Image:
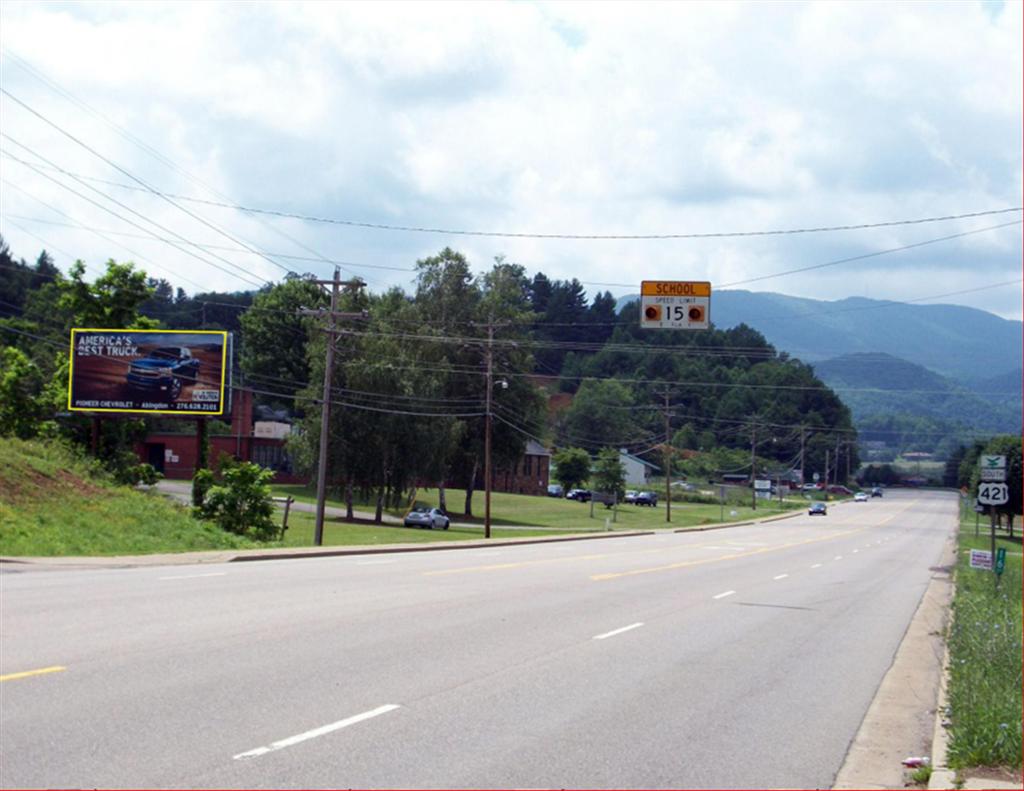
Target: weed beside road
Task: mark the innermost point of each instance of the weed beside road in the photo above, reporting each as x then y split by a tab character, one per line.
985	658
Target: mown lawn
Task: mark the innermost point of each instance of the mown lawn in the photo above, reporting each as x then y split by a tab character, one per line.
338	532
985	656
561	514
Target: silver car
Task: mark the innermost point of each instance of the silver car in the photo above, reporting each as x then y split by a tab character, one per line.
425	516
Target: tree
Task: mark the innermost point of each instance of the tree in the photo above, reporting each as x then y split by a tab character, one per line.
572	467
275	334
609	474
20	386
600	415
111	301
1010	447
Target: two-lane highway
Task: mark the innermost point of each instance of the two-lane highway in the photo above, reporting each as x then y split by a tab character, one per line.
743	657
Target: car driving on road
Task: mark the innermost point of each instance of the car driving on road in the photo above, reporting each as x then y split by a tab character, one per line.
817	509
425	516
860	497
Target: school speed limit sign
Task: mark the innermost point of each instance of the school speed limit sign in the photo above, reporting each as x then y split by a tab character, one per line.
993	493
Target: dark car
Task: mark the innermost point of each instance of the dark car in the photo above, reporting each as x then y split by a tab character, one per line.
164	372
583	495
555	490
817	508
876	491
646	498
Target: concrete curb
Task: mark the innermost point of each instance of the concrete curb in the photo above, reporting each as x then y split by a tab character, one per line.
397	548
942	775
293	553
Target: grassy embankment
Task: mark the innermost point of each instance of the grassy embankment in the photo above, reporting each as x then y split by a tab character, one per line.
560	514
55	503
985	656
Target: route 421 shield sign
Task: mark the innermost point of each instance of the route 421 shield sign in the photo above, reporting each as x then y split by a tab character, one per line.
993	493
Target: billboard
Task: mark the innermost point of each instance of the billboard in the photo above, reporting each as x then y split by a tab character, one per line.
178	372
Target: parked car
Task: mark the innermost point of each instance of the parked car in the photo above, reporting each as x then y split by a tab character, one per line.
860	497
582	495
164	372
685	486
876	491
646	498
555	490
810	487
838	489
817	508
630	496
425	516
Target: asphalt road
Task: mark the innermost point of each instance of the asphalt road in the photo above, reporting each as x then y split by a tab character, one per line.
736	658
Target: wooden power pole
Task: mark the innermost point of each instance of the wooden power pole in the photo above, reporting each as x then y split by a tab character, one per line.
325	408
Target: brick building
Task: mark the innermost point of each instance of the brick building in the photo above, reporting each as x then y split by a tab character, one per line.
175	453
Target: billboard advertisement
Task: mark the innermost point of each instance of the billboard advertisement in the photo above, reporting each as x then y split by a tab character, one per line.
179	372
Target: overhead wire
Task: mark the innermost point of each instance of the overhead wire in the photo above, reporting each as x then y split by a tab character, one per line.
54	86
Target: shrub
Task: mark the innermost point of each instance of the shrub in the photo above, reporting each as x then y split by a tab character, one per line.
242	503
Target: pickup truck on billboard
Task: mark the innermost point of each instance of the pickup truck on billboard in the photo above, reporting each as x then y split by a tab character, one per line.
161	371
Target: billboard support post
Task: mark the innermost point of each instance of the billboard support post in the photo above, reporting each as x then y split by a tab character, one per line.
96	435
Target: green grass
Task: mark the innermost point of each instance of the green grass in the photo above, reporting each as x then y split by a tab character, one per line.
560	514
54	503
985	657
338	532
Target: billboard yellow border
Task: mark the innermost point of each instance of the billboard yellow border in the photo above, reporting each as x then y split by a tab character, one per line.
223	372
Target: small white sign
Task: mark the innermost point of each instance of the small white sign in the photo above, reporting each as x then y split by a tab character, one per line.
981	559
993	493
762	485
992	462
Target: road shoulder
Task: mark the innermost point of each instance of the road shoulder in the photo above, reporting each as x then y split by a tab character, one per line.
901	719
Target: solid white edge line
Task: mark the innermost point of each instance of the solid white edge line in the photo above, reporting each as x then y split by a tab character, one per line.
618	631
780	577
195	576
321	731
816	566
723	595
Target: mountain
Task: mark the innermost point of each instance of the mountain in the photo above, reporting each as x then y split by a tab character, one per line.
963	343
881	384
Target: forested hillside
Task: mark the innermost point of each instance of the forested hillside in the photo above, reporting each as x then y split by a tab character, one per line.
410	378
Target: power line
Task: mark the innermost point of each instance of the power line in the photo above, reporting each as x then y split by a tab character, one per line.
136	179
571	236
116	202
49	82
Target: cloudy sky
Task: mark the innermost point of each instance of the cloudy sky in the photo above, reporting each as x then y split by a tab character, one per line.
528	122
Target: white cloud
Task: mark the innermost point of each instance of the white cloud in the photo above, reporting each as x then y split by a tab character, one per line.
547	118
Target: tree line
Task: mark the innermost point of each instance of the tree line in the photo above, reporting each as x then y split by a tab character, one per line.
409	387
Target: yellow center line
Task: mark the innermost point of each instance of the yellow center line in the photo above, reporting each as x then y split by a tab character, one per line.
686	563
499	566
27	673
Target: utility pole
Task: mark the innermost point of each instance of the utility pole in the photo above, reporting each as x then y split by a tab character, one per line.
801	455
753	465
487	429
668	462
325	408
826	473
837	459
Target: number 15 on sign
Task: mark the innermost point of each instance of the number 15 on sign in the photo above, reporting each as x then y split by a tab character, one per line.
993	493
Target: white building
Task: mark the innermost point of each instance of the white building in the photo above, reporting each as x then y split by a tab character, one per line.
638	471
